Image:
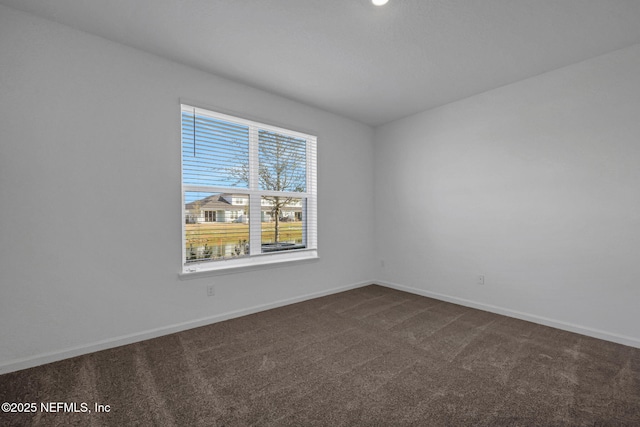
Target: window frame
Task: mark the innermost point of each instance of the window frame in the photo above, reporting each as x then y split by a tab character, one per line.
256	258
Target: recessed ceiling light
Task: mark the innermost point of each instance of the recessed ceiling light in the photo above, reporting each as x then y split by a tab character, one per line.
379	2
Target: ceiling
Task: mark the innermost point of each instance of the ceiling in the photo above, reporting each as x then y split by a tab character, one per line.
372	64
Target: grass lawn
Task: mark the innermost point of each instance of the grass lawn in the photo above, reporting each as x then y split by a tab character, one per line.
229	233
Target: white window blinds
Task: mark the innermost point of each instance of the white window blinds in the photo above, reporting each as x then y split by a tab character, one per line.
249	192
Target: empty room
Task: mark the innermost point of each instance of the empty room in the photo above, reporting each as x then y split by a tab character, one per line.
332	213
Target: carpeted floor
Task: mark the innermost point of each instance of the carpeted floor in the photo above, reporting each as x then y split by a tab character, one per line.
368	357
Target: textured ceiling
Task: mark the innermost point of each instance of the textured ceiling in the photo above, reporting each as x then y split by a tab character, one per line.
372	64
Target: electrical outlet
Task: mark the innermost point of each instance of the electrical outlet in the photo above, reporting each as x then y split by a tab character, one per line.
480	280
211	291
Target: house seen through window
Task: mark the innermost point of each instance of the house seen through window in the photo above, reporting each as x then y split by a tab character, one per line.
249	192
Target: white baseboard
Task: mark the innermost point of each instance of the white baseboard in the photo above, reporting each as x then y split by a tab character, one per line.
595	333
54	356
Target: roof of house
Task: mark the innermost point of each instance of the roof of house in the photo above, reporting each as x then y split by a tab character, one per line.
217	202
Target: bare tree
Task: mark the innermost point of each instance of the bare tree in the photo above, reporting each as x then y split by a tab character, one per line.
197	208
282	167
193	236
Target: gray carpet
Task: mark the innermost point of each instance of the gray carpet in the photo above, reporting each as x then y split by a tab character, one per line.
371	356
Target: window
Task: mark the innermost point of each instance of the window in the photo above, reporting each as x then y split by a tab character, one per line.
210	216
249	192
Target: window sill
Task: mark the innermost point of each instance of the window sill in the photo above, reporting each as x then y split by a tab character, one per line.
241	265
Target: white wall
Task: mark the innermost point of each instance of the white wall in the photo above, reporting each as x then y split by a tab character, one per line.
89	146
535	185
